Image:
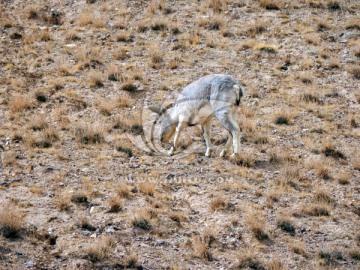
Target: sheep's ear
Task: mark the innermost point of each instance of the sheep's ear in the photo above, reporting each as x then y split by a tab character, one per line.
156	109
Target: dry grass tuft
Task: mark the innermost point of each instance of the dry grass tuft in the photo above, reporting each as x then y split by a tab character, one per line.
282	117
200	249
123	99
18	103
271	4
156	57
356	163
329	150
218	204
129	86
256	222
343	177
84	224
11	221
286	225
132	261
320	167
38	122
323	197
100	250
9	159
141	220
147	188
96	79
115	204
319	209
355	71
266	47
114	74
89	133
124	190
245	159
217	6
330	257
62	202
248	259
298	248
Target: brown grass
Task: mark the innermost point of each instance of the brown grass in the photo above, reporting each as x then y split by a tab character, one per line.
256	223
343	177
355	71
142	220
11	221
9	159
271	4
147	188
89	133
100	249
218	204
18	103
115	204
123	99
96	79
249	259
319	209
217	6
124	190
200	249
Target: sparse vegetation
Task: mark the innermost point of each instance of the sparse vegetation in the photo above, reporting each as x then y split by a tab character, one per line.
286	225
100	250
11	221
86	183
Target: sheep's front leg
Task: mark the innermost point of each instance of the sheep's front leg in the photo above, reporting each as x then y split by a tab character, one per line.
179	127
227	146
231	125
206	134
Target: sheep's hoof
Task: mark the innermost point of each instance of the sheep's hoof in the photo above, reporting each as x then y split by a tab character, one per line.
208	152
234	156
223	152
171	151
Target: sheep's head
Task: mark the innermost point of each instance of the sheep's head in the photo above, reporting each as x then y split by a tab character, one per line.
167	124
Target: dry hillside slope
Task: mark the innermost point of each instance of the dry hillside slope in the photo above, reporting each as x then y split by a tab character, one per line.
76	192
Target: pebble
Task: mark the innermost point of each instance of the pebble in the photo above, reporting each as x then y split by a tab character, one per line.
72	45
20	252
29	264
160	242
110	229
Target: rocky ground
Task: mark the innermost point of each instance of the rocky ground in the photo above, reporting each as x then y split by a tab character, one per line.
78	189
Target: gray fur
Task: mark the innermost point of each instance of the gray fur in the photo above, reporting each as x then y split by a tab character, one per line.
215	95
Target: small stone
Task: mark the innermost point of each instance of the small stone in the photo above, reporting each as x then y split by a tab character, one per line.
93	235
109	229
29	264
20	252
160	242
16	180
72	45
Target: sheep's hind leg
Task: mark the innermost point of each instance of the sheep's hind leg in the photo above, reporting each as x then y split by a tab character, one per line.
206	135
